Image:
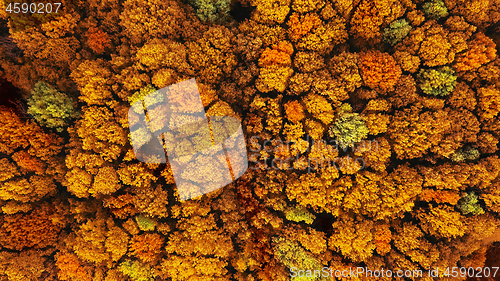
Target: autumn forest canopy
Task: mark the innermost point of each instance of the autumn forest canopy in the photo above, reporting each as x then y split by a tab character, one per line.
403	94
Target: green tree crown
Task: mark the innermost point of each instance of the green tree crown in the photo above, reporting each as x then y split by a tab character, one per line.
292	255
211	10
435	9
349	128
466	153
396	31
145	223
136	270
298	214
469	204
49	107
437	82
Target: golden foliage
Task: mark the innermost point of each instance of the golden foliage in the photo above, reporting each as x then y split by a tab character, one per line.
410	240
376	153
309	32
99	241
28	191
407	61
399	199
212	55
100	133
463	96
147	247
354	238
105	182
382	195
379	70
142	21
481	51
377	123
370	15
304	6
319	107
414	132
270	11
91	78
16	133
489	101
158	53
72	268
308	192
439	196
442	222
294	111
382	237
433	44
275	68
26	265
197	237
